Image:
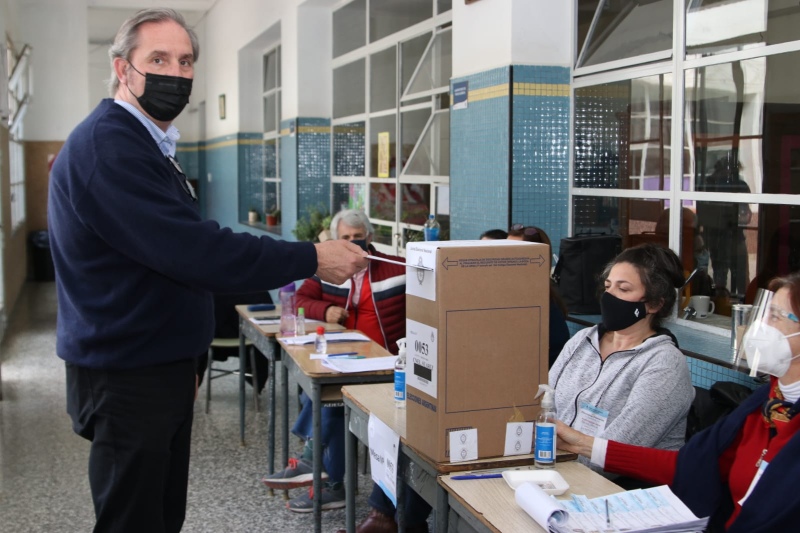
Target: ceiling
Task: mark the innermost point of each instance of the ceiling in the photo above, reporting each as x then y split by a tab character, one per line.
106	16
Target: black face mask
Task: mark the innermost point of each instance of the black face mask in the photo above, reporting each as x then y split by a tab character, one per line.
620	314
361	243
164	97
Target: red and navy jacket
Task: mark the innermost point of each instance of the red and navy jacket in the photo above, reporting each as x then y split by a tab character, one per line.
388	285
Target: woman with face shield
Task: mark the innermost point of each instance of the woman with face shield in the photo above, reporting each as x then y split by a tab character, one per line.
742	471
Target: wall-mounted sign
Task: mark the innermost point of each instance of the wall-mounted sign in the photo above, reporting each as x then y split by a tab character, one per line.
383	154
460	94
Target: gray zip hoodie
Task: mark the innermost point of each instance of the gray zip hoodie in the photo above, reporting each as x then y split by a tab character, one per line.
647	390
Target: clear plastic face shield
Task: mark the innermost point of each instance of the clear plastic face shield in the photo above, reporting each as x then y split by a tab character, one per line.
764	347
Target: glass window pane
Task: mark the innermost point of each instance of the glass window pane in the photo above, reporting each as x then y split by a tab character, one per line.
381	125
383	80
271	198
271	113
622	29
382	235
411	52
270	71
444	5
270	158
432	157
412	123
348	89
348	196
748	24
436	67
348	150
622	134
349	27
382	200
389	16
742	125
416	203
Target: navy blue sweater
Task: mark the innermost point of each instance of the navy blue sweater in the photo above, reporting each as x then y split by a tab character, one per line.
135	264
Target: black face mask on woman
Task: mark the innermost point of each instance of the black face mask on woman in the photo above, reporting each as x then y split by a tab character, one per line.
620	314
164	97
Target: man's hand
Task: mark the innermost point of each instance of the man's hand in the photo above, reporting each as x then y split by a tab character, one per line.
335	315
339	260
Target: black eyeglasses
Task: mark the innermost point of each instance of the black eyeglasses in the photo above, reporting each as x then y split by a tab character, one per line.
527	231
184	181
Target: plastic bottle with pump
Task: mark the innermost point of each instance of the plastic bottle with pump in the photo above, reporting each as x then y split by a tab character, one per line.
287	295
545	452
400	375
431	229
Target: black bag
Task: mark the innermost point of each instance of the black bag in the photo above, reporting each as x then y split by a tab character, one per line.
580	263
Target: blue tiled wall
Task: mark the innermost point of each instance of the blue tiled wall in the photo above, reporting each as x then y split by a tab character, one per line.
479	156
540	149
313	164
509	155
250	148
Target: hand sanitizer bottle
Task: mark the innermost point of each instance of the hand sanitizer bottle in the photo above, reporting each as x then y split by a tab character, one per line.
320	343
400	375
300	322
545	452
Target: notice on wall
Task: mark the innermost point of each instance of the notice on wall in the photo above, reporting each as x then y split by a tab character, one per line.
460	95
383	154
384	445
421	357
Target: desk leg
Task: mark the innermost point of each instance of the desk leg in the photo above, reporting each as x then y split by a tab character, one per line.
350	471
316	399
241	383
271	425
442	509
285	414
402	487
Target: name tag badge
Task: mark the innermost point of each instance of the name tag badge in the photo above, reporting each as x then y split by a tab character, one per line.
761	467
591	420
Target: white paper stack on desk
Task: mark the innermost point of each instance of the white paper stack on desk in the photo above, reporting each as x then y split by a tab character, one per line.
655	510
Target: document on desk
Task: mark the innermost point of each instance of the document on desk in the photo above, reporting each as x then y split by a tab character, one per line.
384	444
654	510
370	364
331	337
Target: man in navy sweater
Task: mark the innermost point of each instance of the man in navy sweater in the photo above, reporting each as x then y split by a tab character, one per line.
135	270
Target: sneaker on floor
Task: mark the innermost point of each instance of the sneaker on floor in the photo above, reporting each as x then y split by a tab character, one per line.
299	473
332	498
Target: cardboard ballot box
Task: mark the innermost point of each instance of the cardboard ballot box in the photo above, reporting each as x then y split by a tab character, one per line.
477	342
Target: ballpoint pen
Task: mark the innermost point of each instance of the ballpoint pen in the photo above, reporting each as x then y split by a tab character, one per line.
478	476
608	516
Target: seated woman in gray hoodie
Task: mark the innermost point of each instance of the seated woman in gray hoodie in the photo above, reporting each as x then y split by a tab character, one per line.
625	379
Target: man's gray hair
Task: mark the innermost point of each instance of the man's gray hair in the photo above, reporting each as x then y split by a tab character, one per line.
127	38
355	218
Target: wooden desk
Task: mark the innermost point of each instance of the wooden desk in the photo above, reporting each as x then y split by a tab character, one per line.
318	381
488	505
415	470
263	337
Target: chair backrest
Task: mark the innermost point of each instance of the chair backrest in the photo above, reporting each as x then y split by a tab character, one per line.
227	319
710	405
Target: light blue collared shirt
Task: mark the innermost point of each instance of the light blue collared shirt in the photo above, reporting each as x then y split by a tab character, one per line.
167	142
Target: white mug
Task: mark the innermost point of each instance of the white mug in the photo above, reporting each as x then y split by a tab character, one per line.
702	305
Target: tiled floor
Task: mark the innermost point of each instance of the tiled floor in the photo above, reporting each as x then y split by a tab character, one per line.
43	482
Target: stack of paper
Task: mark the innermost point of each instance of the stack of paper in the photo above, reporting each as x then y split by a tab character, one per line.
370	364
655	510
344	336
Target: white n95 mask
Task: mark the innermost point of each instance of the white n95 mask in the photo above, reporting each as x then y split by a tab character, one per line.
767	350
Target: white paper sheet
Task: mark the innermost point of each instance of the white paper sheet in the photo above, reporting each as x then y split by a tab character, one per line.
370	364
384	445
331	337
542	507
464	445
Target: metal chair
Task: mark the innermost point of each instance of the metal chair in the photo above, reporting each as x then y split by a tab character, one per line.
226	340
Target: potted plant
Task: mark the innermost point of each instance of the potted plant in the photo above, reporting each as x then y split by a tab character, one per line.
274	216
252	215
310	226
